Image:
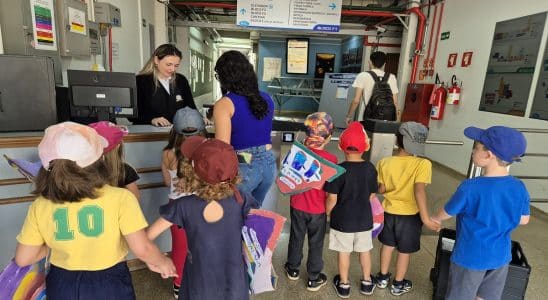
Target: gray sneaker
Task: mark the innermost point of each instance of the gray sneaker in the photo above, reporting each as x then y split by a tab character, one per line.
399	288
382	280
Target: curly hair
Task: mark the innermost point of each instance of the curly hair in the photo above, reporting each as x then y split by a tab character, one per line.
235	74
189	182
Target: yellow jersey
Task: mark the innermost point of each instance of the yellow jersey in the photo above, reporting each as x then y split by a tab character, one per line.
399	175
86	235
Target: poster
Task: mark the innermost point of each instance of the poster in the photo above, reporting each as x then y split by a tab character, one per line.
43	25
539	110
77	20
316	15
272	68
297	56
511	65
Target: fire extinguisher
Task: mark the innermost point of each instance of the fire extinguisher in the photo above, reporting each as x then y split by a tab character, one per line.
453	92
437	99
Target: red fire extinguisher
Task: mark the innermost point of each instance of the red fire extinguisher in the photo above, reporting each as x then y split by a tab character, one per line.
453	93
437	99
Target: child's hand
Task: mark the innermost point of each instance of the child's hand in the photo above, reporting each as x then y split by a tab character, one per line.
166	268
432	225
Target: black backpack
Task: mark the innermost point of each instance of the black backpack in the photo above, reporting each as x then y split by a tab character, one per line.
381	104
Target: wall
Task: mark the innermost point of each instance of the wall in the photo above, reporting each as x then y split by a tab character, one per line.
471	25
276	47
128	59
193	38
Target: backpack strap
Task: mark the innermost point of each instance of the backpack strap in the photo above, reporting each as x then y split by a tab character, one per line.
376	77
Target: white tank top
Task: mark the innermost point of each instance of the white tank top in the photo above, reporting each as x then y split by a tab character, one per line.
173	194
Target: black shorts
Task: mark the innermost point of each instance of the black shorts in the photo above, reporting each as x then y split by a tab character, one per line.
402	232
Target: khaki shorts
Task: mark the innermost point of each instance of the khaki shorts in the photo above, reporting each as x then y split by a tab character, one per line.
350	241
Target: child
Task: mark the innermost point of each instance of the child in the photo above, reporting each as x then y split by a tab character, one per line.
213	218
487	208
350	209
121	174
308	210
87	224
187	122
402	179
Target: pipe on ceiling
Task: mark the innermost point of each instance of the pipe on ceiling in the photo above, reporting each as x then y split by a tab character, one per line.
358	13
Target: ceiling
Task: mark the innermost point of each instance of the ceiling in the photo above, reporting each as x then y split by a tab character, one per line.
219	17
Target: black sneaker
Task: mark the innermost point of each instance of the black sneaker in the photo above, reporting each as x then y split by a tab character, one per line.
176	291
367	286
292	274
382	280
342	289
315	285
401	287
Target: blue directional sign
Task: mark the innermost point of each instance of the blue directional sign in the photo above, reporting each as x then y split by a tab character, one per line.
317	15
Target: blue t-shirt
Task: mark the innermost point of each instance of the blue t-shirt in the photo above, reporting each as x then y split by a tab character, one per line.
487	210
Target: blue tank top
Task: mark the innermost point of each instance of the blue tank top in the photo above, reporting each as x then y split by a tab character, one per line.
247	130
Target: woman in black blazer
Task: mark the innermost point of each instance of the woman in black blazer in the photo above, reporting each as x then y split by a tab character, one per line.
160	90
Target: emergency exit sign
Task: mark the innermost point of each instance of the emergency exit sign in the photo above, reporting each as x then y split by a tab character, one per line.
445	35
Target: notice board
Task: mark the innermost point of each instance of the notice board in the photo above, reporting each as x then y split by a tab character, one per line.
512	61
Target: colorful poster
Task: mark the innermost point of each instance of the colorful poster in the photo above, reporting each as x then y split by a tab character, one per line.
303	169
43	25
511	66
77	20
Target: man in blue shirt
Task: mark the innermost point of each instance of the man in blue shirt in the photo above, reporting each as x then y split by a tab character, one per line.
487	208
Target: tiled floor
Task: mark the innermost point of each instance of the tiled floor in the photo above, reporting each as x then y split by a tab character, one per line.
532	237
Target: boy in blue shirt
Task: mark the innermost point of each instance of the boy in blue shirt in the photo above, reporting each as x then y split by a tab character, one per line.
487	208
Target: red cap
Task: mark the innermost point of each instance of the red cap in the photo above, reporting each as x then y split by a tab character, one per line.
213	160
355	138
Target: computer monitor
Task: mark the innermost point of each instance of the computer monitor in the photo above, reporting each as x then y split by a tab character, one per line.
101	96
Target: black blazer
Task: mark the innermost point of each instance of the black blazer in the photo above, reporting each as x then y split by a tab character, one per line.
154	101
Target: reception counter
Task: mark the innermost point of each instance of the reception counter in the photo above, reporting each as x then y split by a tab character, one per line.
143	150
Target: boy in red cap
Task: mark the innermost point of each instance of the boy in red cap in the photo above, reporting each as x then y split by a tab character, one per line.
213	218
351	216
487	209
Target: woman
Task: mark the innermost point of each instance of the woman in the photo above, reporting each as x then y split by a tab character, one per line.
160	90
243	118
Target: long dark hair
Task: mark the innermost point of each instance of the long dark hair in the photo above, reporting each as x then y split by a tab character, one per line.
235	74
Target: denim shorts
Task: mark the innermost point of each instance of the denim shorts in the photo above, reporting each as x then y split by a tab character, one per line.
259	174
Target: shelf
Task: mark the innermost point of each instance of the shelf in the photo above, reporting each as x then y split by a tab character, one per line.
282	88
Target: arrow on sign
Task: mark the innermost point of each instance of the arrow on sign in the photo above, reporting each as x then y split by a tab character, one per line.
332	5
242	11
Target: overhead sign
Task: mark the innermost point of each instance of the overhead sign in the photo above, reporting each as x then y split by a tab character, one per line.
316	15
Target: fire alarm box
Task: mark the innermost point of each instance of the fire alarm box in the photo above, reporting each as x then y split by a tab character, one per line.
417	106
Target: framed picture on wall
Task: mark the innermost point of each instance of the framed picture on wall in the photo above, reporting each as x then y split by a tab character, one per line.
297	56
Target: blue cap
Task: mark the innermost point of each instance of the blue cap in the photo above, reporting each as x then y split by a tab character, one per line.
506	143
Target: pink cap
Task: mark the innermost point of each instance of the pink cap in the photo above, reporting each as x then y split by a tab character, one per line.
72	141
111	132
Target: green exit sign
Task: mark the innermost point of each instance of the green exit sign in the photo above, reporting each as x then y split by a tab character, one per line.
445	35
